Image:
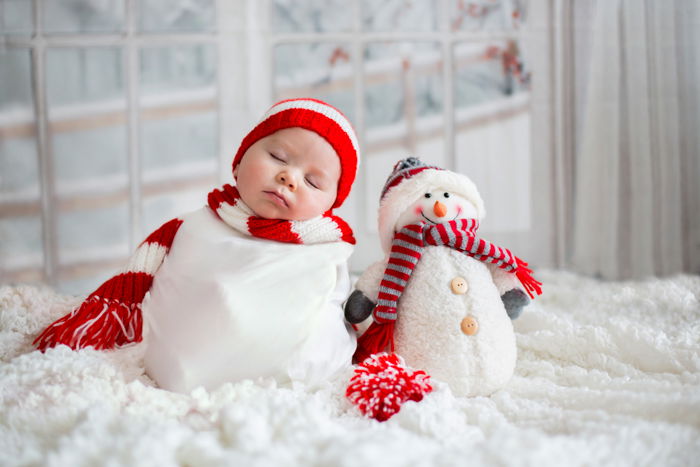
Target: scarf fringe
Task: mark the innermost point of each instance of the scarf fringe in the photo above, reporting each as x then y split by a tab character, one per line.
524	275
111	316
99	322
374	340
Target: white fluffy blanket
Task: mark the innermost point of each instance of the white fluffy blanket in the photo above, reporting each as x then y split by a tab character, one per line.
607	373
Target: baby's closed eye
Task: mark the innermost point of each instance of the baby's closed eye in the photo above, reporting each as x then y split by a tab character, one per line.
312	182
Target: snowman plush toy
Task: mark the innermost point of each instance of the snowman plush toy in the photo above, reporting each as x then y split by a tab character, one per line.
442	298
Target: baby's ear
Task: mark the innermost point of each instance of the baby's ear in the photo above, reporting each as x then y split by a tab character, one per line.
235	172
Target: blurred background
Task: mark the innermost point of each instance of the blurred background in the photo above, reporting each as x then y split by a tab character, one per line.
578	120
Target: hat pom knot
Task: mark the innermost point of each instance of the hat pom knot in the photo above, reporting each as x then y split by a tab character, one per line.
408	163
382	383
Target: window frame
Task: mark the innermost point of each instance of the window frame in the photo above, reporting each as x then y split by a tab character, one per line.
130	41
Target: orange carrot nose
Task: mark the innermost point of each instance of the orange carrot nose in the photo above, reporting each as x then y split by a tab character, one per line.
439	209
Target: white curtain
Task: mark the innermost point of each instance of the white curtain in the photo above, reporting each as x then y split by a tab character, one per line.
637	169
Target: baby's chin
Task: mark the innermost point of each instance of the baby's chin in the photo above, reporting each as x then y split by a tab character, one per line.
273	212
267	209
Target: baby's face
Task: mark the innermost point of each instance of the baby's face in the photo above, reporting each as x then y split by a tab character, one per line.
292	174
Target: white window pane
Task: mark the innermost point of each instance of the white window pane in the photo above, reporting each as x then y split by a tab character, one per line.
85	75
16	17
19	176
487	15
311	16
90	160
87	111
488	72
20	243
93	234
399	15
179	111
178	147
165	70
321	70
78	16
19	171
403	80
15	76
176	15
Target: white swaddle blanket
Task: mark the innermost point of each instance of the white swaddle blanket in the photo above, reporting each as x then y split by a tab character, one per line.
226	307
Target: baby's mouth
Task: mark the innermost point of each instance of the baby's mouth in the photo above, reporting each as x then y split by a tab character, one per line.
277	198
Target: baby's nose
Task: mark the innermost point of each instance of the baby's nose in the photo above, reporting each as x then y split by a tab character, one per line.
439	209
288	180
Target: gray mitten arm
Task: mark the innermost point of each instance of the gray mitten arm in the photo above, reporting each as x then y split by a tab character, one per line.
358	307
514	300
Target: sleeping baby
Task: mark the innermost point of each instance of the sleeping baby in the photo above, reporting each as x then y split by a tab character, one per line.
250	285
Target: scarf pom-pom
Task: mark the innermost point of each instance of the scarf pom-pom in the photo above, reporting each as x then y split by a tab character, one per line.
524	274
382	383
376	338
99	323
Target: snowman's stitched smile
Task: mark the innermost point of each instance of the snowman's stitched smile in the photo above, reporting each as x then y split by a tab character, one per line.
433	222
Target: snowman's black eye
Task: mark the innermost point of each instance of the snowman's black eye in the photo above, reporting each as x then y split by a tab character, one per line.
428	195
447	195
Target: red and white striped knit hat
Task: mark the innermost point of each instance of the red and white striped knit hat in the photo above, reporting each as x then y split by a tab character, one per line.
319	117
409	180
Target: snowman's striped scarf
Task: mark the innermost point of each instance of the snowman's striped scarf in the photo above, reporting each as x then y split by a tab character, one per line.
407	248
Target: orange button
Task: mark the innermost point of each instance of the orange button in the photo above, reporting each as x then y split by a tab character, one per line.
469	326
459	285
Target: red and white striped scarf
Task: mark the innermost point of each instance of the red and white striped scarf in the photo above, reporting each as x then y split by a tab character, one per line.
227	204
407	249
111	317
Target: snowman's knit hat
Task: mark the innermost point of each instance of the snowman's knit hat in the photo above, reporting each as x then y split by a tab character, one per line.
409	180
